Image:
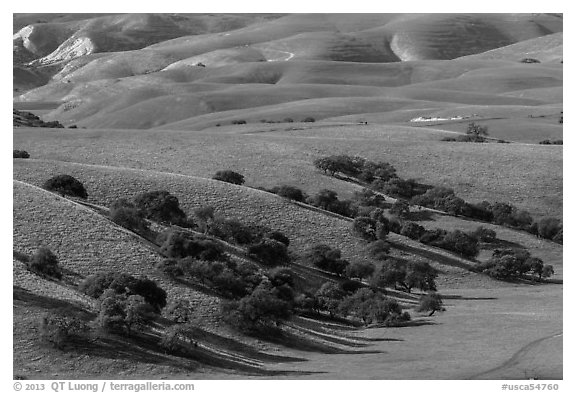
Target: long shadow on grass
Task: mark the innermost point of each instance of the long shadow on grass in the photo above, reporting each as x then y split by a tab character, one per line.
244	349
208	357
23	295
443	259
500	243
294	341
458	297
331	338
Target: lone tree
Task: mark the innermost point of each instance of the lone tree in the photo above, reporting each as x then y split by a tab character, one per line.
431	302
476	131
229	177
291	192
66	185
45	263
21	154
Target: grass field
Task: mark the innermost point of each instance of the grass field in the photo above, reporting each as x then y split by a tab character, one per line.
269	155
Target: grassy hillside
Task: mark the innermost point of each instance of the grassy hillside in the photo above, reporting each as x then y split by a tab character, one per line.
269	155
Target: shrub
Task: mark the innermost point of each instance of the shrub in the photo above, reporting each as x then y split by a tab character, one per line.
360	270
229	176
177	340
461	243
270	252
281	276
326	258
291	192
97	284
379	250
232	230
288	120
434	237
205	217
441	198
170	268
412	230
328	200
350	286
406	275
309	120
476	130
178	244
45	263
328	297
238	121
160	206
58	328
306	302
179	311
122	313
21	154
371	306
529	60
431	302
400	188
66	185
549	227
484	234
365	228
367	197
400	208
124	213
262	307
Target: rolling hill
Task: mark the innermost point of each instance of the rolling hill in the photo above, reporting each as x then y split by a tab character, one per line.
153	102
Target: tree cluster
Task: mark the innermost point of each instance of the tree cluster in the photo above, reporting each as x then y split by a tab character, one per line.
514	264
125	302
405	276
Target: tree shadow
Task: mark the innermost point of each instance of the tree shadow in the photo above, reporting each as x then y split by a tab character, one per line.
436	257
237	346
298	342
45	302
458	297
500	243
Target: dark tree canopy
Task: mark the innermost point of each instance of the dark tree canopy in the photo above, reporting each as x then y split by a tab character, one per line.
44	262
229	176
270	252
326	258
21	154
291	192
66	185
160	206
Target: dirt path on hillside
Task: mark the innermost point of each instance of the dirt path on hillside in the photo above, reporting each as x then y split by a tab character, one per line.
537	353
